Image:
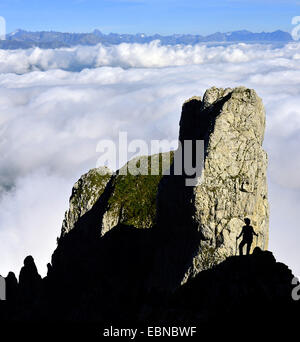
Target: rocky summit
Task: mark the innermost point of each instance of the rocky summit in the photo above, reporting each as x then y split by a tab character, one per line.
161	249
232	184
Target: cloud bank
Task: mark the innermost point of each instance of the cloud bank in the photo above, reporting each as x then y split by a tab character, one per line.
55	105
151	55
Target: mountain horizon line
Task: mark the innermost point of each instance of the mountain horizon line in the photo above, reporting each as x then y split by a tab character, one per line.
55	39
97	30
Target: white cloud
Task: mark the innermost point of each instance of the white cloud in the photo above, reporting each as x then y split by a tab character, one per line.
151	55
28	214
51	121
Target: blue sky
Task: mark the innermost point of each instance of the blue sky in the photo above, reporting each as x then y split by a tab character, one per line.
149	16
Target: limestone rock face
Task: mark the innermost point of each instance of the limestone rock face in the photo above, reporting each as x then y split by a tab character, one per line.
234	180
85	193
233	183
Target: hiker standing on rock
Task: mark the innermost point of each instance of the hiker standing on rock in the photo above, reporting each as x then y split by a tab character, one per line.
247	232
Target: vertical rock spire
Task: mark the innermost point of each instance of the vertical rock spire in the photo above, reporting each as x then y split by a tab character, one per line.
233	183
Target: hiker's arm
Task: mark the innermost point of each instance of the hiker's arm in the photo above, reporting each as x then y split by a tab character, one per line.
242	232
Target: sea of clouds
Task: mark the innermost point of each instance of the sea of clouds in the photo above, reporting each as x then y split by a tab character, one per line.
55	106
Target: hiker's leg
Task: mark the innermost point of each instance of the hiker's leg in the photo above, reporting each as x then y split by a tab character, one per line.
241	247
249	243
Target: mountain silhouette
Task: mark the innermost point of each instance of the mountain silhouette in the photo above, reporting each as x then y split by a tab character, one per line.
22	39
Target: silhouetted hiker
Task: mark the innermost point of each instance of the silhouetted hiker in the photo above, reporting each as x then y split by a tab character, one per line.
247	232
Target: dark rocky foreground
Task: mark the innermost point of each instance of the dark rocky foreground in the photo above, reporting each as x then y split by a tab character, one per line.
111	282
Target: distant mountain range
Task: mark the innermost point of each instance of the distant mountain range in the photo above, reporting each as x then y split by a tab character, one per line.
21	39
